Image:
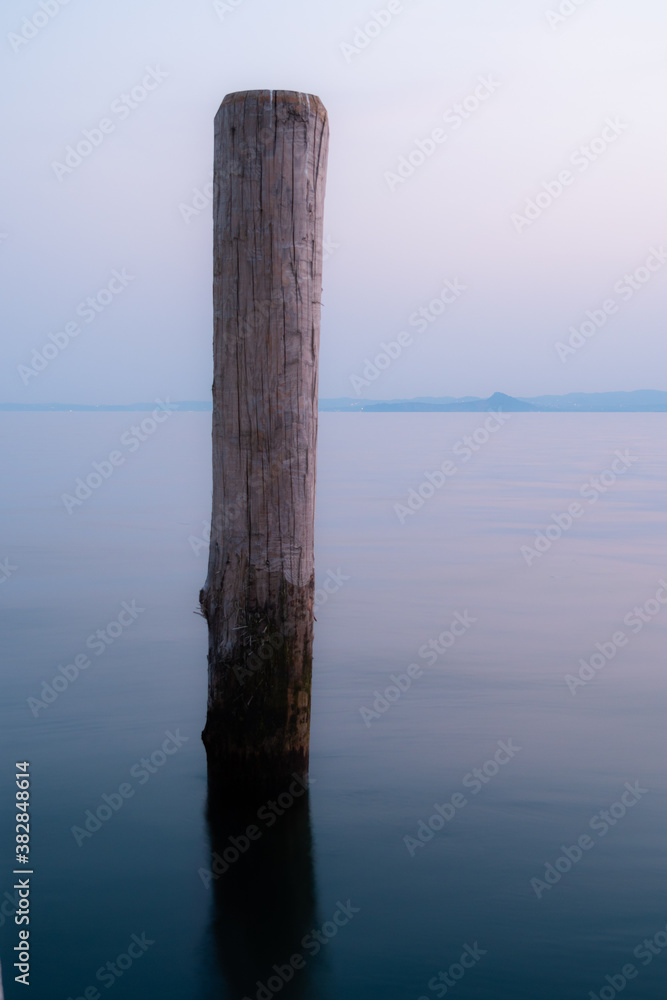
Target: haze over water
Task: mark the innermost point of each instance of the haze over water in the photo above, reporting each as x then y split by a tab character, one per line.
394	588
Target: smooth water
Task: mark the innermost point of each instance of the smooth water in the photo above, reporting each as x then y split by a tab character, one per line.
397	911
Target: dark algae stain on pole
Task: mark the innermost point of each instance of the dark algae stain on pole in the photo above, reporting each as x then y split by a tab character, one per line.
269	180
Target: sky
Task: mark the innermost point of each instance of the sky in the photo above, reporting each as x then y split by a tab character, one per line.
512	150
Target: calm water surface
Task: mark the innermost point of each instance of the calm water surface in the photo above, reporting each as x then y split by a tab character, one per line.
396	910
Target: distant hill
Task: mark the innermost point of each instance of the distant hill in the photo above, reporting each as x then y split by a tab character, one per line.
640	401
499	401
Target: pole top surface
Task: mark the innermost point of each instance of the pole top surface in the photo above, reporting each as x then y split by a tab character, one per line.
295	98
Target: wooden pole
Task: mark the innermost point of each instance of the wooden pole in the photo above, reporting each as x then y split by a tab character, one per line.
270	169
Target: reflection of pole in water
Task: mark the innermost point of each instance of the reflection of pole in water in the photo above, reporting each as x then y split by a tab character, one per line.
263	885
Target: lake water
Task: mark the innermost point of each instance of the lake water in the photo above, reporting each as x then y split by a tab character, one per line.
570	774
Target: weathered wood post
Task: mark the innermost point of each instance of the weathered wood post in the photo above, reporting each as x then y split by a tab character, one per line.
270	169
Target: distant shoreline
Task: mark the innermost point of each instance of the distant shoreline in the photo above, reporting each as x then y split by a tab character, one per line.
639	401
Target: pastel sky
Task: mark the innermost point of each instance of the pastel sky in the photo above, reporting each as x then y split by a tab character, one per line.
531	88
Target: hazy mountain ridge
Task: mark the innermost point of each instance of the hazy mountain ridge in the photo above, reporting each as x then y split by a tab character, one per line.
637	401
